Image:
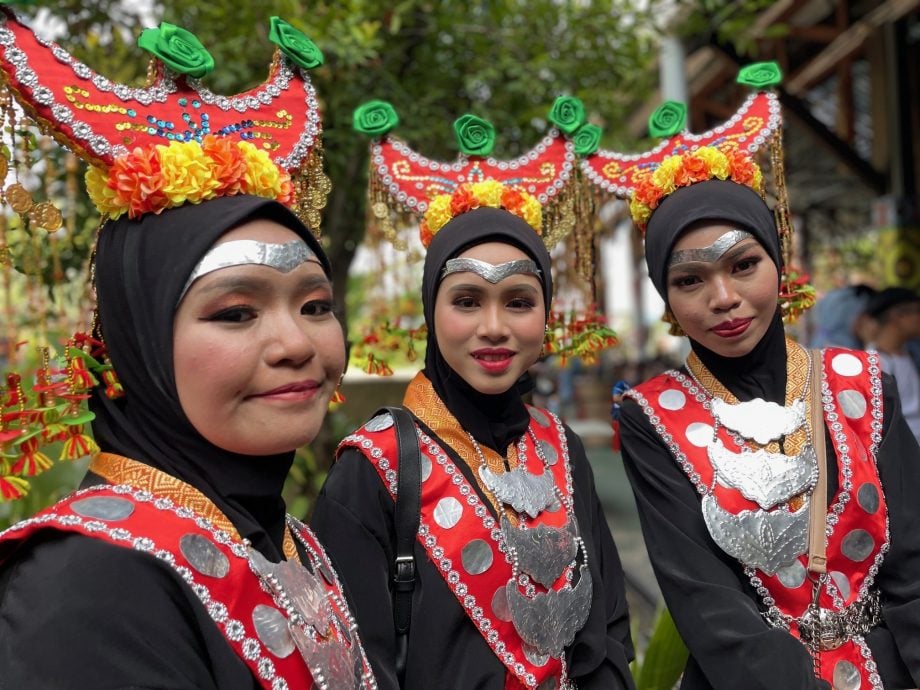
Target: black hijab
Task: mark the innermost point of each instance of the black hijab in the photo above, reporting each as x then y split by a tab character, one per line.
761	373
494	420
141	268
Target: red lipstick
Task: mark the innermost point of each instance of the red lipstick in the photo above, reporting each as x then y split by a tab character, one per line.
495	360
733	328
292	392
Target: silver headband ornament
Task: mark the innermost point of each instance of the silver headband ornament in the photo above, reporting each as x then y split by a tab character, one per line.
282	257
713	252
493	273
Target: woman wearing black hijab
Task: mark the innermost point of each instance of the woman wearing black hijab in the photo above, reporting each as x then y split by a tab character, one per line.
724	457
502	483
175	565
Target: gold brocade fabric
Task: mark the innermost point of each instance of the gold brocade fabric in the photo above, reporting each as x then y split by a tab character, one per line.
117	469
425	404
798	365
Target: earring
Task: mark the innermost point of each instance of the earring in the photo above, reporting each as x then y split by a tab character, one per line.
673	327
337	396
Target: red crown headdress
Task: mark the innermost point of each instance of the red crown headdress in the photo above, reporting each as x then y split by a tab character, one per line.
543	186
153	147
724	152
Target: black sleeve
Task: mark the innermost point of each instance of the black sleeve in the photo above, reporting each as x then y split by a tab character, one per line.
704	588
353	517
898	460
76	612
600	655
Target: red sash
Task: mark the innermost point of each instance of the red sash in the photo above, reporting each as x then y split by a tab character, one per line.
156	526
852	398
454	522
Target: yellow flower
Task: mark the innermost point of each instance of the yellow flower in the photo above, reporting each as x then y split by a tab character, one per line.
533	213
489	192
187	173
716	160
757	183
663	177
262	177
639	211
103	197
438	212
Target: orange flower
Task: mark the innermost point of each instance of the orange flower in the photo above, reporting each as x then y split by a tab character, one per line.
137	180
512	200
425	235
463	200
229	165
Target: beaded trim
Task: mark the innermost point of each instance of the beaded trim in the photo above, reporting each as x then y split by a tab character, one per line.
420	203
756	143
100	146
471	605
234	630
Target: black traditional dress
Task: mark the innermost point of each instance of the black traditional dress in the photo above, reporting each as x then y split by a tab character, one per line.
723	607
461	635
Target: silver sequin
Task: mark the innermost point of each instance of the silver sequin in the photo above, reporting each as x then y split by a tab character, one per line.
842	583
846	676
500	604
853	403
272	628
539	416
793	575
108	508
476	557
534	656
380	422
857	545
867	497
426	467
204	556
448	512
548	451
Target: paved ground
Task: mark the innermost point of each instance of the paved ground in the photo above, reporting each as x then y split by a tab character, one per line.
620	507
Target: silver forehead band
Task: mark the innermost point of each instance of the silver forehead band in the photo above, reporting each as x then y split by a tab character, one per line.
713	252
494	273
282	257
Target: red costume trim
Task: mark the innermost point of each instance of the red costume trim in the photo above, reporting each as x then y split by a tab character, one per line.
851	393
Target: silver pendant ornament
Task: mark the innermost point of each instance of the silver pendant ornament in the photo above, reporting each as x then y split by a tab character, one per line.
763	477
542	552
758	538
522	490
548	621
759	420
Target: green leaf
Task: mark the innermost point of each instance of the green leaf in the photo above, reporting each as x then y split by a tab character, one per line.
665	656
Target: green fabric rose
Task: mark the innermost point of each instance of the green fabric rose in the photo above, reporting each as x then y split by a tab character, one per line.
475	136
760	75
295	44
587	139
568	114
374	118
178	49
668	119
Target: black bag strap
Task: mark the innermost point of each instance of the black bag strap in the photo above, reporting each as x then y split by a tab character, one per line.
408	506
